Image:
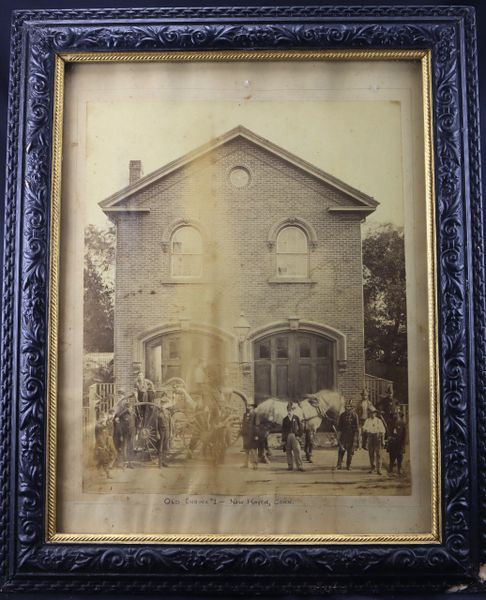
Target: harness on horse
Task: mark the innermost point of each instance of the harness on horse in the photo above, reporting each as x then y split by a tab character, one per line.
315	404
323	415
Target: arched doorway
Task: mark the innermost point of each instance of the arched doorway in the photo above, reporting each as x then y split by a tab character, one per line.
181	353
290	364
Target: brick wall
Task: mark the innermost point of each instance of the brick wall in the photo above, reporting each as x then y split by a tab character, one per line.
238	263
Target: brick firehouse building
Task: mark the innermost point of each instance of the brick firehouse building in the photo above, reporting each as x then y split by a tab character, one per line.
243	258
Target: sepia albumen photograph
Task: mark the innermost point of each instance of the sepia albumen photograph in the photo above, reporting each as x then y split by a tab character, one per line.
246	246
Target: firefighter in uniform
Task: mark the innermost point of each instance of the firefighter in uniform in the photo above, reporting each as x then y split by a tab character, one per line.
163	426
347	428
291	433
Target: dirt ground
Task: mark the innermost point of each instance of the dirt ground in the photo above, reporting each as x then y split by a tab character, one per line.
196	476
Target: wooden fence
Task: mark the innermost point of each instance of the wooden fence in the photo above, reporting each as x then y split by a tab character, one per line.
101	398
377	387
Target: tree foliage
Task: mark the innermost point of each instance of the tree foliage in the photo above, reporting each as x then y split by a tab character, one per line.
101	373
99	289
384	295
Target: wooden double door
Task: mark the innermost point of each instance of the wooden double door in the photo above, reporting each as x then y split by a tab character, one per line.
291	364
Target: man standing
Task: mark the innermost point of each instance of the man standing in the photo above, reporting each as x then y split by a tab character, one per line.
124	428
387	407
347	429
291	432
163	426
140	387
309	441
201	424
249	433
396	442
363	413
199	377
105	450
375	434
263	449
150	390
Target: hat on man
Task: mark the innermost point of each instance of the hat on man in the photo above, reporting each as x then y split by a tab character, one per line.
372	410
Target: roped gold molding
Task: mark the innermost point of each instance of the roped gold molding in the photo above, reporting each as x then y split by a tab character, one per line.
432	537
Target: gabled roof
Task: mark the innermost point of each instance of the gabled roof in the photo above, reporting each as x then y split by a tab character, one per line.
363	202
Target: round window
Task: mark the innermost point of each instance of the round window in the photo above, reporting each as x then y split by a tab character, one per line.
239	177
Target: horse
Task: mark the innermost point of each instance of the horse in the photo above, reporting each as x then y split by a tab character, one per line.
324	404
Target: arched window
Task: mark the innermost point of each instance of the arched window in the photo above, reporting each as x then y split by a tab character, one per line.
292	253
186	252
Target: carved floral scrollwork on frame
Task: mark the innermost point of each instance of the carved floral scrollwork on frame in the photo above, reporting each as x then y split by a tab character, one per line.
216	568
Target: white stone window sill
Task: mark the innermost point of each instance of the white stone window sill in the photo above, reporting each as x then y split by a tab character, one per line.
300	280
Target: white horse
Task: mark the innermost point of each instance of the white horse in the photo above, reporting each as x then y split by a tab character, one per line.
325	404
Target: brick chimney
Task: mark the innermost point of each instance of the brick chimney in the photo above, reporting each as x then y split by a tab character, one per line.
134	171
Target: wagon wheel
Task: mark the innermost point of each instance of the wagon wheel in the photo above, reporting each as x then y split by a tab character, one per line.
237	402
146	442
200	430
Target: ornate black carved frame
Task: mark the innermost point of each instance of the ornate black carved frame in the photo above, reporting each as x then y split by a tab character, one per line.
27	563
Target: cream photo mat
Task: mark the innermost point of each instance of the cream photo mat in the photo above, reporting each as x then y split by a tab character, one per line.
372	114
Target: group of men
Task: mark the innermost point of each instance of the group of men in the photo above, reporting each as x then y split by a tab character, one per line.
370	431
373	433
255	439
115	431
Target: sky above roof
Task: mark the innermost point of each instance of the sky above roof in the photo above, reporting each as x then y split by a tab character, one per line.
342	145
255	141
359	123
